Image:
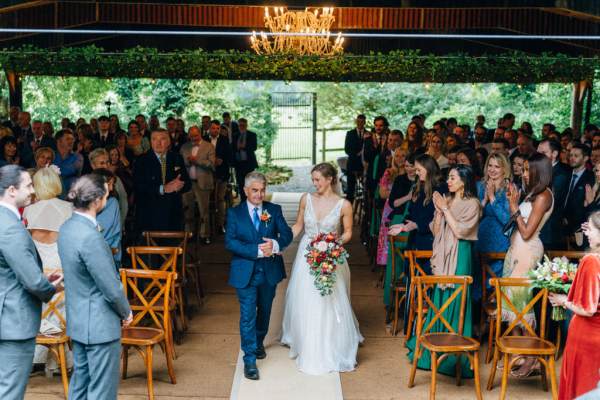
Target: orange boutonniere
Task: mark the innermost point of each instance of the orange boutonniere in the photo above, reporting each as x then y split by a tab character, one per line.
265	217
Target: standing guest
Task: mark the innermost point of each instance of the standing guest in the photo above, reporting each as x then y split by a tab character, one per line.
592	193
64	123
595	157
39	139
104	137
373	145
581	359
160	178
115	125
353	147
574	212
500	146
124	181
482	155
125	153
232	126
48	129
452	140
385	186
110	219
69	163
468	156
518	162
9	154
177	137
100	159
525	145
491	191
551	235
414	138
205	126
222	161
421	206
137	141
452	154
245	145
546	129
142	126
511	137
94	125
436	150
43	158
153	123
526	248
44	219
92	283
199	158
13	118
454	229
86	143
23	286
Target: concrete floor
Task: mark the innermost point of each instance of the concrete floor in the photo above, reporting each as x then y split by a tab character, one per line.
207	357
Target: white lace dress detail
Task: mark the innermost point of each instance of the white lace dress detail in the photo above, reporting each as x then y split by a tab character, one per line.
321	331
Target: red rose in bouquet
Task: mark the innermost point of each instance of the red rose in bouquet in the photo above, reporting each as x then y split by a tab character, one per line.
324	253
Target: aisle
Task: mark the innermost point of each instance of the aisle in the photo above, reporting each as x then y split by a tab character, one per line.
279	378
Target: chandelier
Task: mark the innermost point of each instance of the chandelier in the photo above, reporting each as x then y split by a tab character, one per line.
283	24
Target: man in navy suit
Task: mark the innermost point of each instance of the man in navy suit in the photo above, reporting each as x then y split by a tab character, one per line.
256	234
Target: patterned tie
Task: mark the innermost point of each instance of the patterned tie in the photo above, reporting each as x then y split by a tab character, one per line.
163	168
256	219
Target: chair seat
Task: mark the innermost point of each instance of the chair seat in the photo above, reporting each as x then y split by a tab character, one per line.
445	342
525	345
141	336
56	338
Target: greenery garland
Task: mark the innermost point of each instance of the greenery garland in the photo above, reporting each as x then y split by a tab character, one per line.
395	66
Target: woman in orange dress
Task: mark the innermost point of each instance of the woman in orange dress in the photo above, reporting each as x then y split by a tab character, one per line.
580	371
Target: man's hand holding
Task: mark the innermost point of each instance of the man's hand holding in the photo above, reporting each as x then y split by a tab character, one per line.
128	321
266	247
175	185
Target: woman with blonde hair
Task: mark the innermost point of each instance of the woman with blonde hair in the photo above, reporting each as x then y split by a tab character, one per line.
43	219
43	157
436	147
491	190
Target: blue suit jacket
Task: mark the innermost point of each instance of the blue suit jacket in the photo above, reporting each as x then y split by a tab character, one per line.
23	285
96	303
242	239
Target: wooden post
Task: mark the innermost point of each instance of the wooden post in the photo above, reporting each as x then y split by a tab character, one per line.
579	93
15	89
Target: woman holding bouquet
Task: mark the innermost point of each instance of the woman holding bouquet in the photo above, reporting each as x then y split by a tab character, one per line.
526	248
581	358
454	229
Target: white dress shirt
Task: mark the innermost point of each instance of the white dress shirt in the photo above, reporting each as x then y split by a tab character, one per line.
87	216
251	208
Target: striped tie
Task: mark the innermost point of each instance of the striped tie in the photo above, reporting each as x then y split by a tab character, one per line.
163	168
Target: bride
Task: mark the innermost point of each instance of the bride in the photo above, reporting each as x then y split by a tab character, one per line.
321	331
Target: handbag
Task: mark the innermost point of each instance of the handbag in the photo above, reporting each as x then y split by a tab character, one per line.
511	225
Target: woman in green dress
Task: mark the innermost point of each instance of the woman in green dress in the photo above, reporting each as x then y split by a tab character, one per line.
454	227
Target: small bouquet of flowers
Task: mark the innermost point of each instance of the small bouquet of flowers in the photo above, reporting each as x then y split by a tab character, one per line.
324	253
557	276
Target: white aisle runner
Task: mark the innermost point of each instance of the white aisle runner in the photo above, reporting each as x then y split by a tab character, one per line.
279	378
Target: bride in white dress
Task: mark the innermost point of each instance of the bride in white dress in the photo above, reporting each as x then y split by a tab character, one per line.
321	331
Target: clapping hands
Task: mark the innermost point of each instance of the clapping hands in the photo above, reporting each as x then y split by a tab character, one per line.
175	185
513	195
440	201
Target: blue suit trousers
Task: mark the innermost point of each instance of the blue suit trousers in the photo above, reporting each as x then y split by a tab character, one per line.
255	300
16	359
95	371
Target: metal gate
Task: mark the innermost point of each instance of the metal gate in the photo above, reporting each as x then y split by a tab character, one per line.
295	116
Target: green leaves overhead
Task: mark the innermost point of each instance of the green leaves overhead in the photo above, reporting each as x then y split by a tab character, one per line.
396	66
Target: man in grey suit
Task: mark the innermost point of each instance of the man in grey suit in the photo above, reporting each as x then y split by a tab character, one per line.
23	285
95	301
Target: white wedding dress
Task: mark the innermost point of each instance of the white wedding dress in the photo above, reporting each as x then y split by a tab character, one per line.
321	331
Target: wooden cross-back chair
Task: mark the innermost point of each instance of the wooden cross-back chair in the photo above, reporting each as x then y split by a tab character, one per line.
447	343
397	286
189	274
488	301
153	307
56	343
168	255
574	257
415	270
519	347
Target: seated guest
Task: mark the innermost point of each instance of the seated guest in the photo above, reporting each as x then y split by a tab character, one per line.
160	178
9	154
44	219
491	191
454	229
125	154
436	150
581	359
109	219
23	286
69	163
92	284
574	212
43	158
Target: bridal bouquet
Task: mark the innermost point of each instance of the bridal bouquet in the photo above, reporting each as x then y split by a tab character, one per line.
324	253
557	276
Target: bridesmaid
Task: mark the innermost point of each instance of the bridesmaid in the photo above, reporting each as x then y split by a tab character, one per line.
455	228
581	358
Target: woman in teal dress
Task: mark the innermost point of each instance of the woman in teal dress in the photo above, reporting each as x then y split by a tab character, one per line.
454	228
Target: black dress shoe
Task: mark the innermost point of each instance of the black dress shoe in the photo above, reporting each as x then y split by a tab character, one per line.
206	241
261	354
251	372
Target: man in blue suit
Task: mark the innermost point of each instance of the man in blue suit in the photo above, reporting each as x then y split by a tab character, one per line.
23	285
95	301
256	234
